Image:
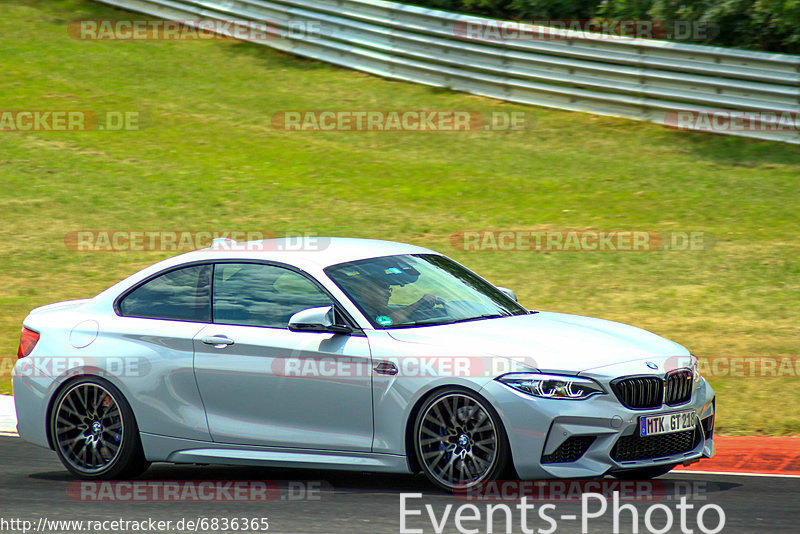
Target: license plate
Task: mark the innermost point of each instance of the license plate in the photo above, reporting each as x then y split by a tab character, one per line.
651	425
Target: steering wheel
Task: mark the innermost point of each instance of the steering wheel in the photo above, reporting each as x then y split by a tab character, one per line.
437	310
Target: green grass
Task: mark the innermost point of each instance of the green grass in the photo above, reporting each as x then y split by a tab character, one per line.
210	160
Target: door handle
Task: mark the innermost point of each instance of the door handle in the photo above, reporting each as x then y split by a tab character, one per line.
386	368
219	342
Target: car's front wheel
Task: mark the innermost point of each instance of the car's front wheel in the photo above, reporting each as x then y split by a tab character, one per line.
459	440
94	431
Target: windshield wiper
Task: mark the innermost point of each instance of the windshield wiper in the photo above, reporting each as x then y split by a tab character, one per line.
464	320
418	323
482	316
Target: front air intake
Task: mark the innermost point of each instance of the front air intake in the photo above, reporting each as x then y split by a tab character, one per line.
635	447
570	451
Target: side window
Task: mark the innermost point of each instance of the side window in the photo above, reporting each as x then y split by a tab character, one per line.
262	295
181	295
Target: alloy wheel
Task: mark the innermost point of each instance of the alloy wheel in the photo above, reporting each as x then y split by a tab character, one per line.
89	427
458	441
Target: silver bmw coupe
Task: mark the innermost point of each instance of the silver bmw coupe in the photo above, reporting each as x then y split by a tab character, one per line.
335	353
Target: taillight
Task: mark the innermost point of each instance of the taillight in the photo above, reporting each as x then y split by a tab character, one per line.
27	340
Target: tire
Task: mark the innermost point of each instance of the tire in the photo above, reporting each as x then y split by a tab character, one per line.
459	440
643	473
94	431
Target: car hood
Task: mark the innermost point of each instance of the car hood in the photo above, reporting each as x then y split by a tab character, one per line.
549	342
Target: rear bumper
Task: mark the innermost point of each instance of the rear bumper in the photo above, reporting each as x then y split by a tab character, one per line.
537	427
31	396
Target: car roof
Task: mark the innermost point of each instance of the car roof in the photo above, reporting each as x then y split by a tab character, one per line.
321	251
307	253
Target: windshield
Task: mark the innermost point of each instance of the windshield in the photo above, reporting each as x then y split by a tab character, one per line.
419	289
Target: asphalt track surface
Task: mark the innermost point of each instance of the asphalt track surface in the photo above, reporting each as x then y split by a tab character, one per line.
34	485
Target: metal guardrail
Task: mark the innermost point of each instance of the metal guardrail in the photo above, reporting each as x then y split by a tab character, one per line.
663	82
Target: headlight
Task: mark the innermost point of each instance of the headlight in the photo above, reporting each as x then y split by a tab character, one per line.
552	386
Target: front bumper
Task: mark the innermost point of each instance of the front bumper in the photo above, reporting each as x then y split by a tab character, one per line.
537	427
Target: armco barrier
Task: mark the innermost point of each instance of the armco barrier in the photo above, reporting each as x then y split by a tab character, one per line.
746	93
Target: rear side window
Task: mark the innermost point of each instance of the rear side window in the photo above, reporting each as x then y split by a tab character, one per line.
180	295
254	294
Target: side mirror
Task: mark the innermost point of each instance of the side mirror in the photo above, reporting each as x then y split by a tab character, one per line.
317	320
507	292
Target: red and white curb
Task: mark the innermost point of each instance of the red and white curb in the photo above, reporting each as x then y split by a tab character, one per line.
8	416
752	456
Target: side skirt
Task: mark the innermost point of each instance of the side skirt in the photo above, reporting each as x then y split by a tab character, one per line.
176	450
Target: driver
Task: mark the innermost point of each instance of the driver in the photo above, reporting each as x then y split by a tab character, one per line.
373	294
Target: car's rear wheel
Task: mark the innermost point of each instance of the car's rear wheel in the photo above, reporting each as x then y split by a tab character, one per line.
94	431
459	440
643	473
